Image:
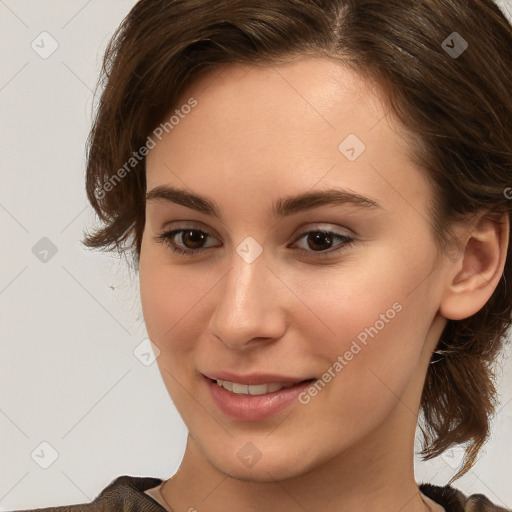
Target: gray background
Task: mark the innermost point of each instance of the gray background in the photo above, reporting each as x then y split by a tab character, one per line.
71	373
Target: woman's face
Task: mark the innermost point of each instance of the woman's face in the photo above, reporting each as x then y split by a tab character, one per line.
343	289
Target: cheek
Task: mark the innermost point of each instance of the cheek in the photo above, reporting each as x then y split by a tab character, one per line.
340	304
172	299
367	365
159	295
374	315
157	300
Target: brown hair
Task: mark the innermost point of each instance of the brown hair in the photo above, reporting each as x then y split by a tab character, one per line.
456	108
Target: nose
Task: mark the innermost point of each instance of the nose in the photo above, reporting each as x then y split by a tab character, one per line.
248	305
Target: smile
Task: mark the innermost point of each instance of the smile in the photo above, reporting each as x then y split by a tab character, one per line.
258	389
256	401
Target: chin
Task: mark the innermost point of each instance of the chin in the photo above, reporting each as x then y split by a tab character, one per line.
266	466
262	472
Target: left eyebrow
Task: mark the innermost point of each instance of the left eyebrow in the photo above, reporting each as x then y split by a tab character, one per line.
281	208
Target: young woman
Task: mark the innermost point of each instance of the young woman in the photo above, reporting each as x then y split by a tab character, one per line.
317	197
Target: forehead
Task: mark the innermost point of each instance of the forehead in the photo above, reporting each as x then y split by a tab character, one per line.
286	126
306	96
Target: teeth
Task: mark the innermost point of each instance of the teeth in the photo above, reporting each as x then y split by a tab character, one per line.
258	389
239	389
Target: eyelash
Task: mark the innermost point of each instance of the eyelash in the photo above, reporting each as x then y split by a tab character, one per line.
167	236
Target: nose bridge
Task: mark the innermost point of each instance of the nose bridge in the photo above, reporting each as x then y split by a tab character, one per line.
246	305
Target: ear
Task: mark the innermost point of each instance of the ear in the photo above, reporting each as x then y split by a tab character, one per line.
472	279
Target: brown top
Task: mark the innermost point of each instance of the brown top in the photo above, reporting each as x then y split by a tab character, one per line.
126	494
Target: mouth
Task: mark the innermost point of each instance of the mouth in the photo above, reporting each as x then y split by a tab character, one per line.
258	398
257	389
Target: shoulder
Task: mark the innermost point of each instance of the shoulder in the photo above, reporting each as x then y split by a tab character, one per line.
454	500
125	494
127	485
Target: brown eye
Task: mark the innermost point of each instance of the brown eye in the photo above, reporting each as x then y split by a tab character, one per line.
321	241
191	242
193	238
318	240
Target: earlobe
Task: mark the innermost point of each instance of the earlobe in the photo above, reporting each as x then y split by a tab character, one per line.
475	277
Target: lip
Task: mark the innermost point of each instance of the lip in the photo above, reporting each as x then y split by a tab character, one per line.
254	378
254	407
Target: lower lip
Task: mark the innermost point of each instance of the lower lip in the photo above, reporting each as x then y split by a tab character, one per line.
254	407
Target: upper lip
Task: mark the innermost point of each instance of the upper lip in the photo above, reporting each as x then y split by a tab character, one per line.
253	378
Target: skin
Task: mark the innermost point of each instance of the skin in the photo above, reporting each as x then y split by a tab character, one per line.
256	135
